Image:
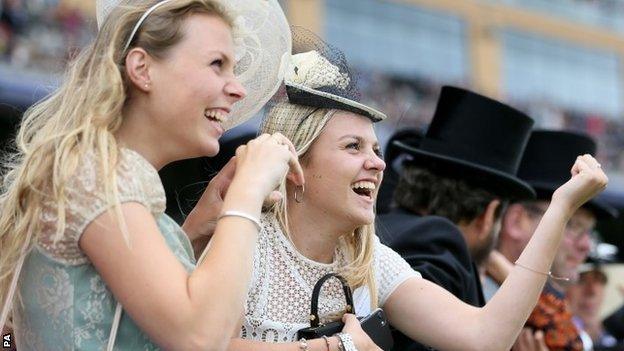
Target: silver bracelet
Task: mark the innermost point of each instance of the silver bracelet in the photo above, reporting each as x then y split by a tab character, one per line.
326	338
240	214
346	342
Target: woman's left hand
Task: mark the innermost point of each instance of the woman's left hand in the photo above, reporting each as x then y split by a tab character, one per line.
361	340
201	222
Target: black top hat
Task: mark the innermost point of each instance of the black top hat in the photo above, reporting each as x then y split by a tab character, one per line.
547	161
476	139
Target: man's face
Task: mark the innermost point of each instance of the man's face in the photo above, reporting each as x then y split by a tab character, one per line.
531	215
483	248
575	245
576	241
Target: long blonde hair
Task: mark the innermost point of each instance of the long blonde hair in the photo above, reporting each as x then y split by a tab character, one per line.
303	125
80	117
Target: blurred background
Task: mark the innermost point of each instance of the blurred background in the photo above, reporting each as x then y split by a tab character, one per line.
560	61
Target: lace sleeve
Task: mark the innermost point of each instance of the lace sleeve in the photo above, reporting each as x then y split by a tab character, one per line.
390	271
137	181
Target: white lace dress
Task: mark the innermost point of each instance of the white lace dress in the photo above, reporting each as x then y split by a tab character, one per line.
278	302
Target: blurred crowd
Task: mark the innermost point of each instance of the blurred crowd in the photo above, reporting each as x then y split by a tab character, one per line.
41	35
411	103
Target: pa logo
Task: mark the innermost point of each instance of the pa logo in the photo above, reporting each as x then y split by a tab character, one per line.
6	341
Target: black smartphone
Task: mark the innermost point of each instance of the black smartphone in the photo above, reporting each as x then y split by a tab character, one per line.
377	327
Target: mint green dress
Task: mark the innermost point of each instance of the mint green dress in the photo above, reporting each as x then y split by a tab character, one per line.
63	302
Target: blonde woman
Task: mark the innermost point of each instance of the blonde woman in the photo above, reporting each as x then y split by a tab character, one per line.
82	225
328	227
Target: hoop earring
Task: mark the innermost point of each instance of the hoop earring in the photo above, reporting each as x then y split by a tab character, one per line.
299	199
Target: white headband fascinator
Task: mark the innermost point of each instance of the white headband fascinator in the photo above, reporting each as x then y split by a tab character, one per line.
262	40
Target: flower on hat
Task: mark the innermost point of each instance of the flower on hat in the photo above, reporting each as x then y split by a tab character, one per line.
314	71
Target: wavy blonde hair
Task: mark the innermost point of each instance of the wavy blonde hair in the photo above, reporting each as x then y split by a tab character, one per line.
81	117
303	125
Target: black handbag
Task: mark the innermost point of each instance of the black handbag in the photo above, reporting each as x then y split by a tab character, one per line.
375	324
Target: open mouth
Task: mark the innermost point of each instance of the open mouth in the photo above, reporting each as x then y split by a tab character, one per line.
364	189
216	116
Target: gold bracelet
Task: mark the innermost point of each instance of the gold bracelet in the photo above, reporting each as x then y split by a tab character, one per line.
549	274
327	342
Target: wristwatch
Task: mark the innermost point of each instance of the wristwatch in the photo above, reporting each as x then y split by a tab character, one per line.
346	342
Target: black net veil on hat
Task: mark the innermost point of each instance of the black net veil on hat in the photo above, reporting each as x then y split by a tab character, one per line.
318	81
329	70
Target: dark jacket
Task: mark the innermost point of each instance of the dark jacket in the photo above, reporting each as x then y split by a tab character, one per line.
614	324
436	248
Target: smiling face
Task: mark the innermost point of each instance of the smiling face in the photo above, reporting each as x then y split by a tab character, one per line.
343	170
193	87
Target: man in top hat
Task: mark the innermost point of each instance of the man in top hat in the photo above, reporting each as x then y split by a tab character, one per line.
545	165
452	190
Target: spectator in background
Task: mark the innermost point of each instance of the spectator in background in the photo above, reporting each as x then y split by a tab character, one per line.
13	21
585	298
